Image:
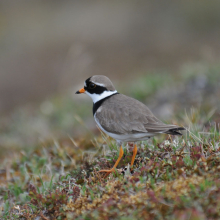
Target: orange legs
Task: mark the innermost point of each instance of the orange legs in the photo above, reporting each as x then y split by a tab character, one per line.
116	163
118	160
134	154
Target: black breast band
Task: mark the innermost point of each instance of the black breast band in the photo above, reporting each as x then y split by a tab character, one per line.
98	104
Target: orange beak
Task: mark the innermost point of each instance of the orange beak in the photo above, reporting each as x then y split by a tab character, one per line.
80	91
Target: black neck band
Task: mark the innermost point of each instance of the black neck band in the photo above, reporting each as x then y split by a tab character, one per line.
98	104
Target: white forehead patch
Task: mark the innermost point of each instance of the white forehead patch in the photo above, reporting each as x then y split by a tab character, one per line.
85	83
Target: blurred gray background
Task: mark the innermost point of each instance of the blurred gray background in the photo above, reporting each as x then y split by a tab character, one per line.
49	46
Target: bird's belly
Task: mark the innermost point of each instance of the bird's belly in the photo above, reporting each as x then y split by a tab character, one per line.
127	137
131	137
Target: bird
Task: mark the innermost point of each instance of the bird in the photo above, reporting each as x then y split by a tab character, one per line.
123	118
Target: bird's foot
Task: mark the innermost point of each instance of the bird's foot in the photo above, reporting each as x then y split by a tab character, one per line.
107	171
116	164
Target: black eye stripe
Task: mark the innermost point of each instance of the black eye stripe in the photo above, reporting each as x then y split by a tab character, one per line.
97	90
87	82
92	85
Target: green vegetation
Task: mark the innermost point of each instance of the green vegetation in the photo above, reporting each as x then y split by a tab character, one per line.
172	177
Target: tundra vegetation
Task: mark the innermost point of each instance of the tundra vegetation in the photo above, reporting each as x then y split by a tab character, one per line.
172	177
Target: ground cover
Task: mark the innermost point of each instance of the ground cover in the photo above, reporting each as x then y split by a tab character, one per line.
172	177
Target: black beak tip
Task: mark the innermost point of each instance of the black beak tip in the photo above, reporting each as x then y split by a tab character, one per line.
77	92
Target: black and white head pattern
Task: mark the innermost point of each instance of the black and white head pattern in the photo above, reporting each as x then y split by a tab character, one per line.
99	87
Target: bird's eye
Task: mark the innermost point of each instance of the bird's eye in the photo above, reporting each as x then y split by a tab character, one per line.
92	85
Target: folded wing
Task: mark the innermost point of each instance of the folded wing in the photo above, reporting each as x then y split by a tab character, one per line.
124	115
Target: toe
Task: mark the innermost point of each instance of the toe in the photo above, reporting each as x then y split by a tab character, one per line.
107	171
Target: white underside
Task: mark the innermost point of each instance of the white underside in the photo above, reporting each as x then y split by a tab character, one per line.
126	137
98	97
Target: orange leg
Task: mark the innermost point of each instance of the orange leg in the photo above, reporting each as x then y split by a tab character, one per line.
116	163
134	154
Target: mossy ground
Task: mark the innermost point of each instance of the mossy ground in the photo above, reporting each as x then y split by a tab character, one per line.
172	178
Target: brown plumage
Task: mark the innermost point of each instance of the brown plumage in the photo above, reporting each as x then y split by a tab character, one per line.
121	114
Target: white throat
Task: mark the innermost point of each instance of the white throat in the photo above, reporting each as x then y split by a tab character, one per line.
98	97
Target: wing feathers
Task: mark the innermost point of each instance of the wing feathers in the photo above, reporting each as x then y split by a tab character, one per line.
124	115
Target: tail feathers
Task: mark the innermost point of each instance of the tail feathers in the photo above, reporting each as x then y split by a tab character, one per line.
175	131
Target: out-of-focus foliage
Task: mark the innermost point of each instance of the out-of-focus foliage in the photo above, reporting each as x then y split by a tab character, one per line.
165	93
49	46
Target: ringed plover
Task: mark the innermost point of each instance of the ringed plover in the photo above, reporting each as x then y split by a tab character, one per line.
121	117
